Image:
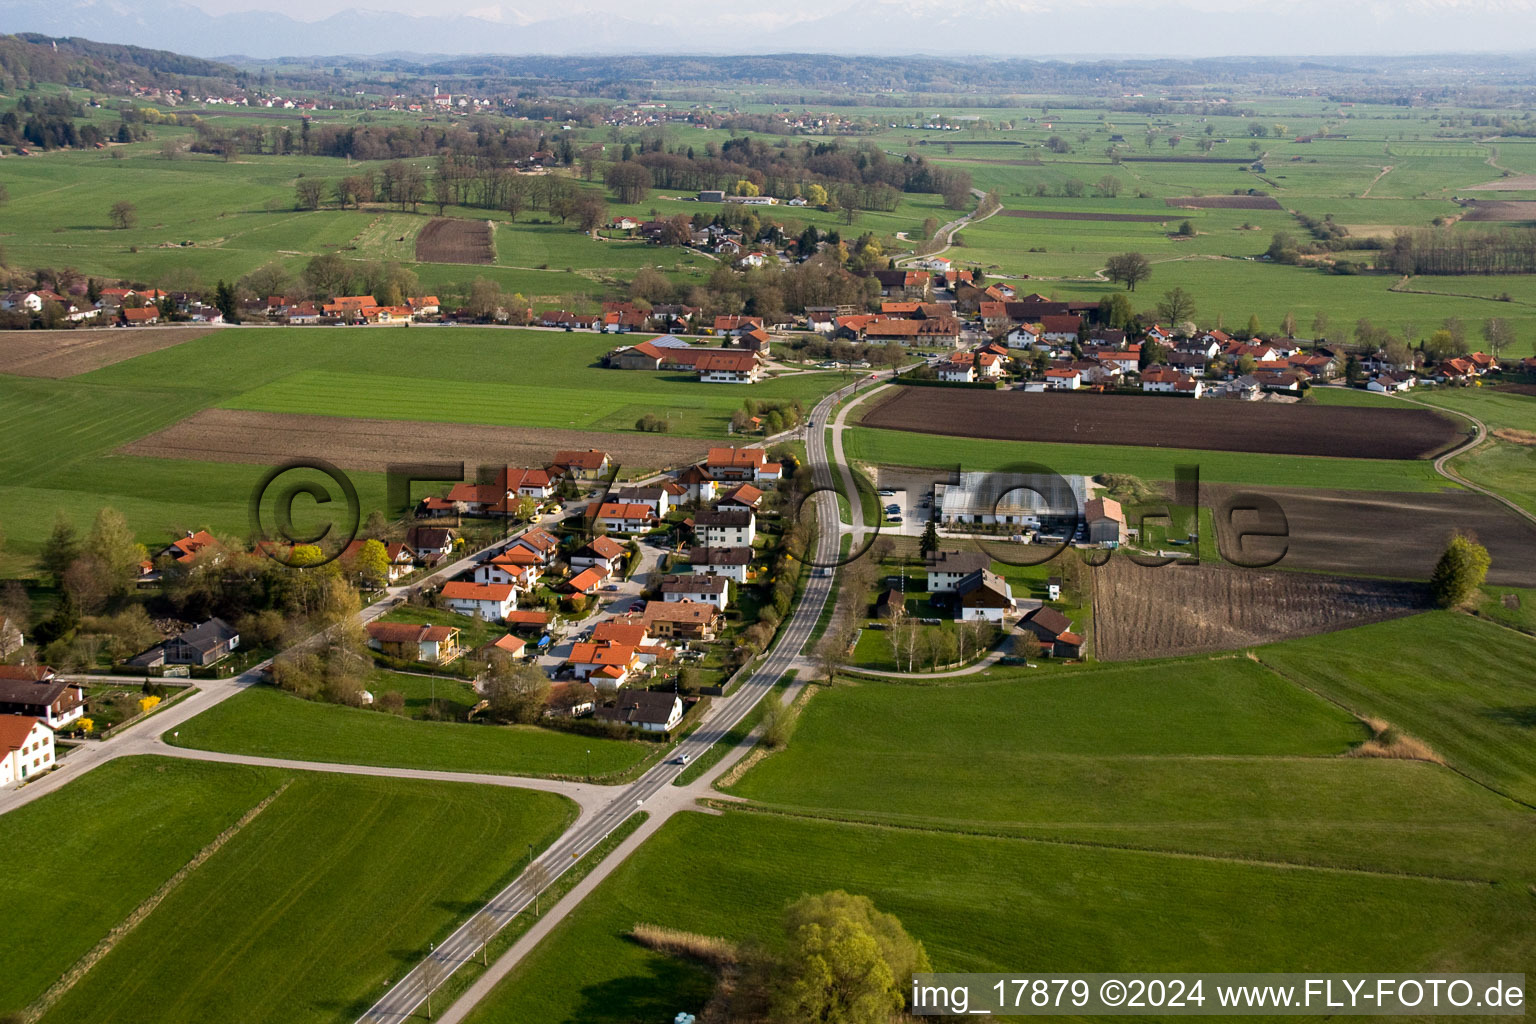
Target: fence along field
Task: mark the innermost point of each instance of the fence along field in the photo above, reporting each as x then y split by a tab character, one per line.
455	240
1168	422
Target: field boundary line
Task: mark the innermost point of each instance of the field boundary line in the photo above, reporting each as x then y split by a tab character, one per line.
135	917
754	807
1447	765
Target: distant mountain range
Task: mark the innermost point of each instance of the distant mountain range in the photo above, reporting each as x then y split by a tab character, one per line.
993	28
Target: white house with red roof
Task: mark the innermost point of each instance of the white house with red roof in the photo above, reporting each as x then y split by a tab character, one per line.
492	601
602	552
1065	378
26	748
608	662
624	517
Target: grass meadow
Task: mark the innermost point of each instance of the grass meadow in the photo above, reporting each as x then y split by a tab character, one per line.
336	886
265	722
993	904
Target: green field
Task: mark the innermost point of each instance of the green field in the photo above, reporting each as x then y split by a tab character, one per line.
266	722
1461	685
462	375
899	448
300	916
990	904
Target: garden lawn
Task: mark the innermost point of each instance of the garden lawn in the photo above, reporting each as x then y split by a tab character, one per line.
335	888
987	904
267	722
900	448
1462	685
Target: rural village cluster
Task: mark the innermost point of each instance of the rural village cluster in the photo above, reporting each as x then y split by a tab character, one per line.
928	517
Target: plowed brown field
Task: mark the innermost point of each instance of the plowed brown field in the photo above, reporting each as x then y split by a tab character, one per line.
58	354
265	438
1183	609
455	240
1166	422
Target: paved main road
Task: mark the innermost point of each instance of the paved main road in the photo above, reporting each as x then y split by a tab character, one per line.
654	792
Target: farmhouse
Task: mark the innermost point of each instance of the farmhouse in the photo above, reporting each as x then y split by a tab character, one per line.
410	641
947	568
491	601
735	324
644	709
1061	329
741	496
726	527
1167	380
941	331
35	690
698	484
728	367
982	595
26	748
654	498
731	562
713	590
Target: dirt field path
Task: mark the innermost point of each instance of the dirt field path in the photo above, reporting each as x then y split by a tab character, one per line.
1384	172
1443	463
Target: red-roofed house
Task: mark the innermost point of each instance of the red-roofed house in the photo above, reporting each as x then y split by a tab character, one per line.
728	367
603	552
608	662
741	464
491	600
411	641
143	316
587	465
624	517
725	325
588	580
26	748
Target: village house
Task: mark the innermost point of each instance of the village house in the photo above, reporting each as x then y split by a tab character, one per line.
36	690
982	595
539	541
749	464
725	527
698	484
508	645
400	558
956	373
624	517
1390	383
1063	378
732	562
581	465
947	568
608	663
713	590
202	645
654	498
741	496
735	324
515	567
491	601
410	641
683	620
26	748
1062	330
1167	380
1054	631
644	709
588	580
603	552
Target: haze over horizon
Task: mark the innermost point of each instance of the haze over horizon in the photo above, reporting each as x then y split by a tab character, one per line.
1039	29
